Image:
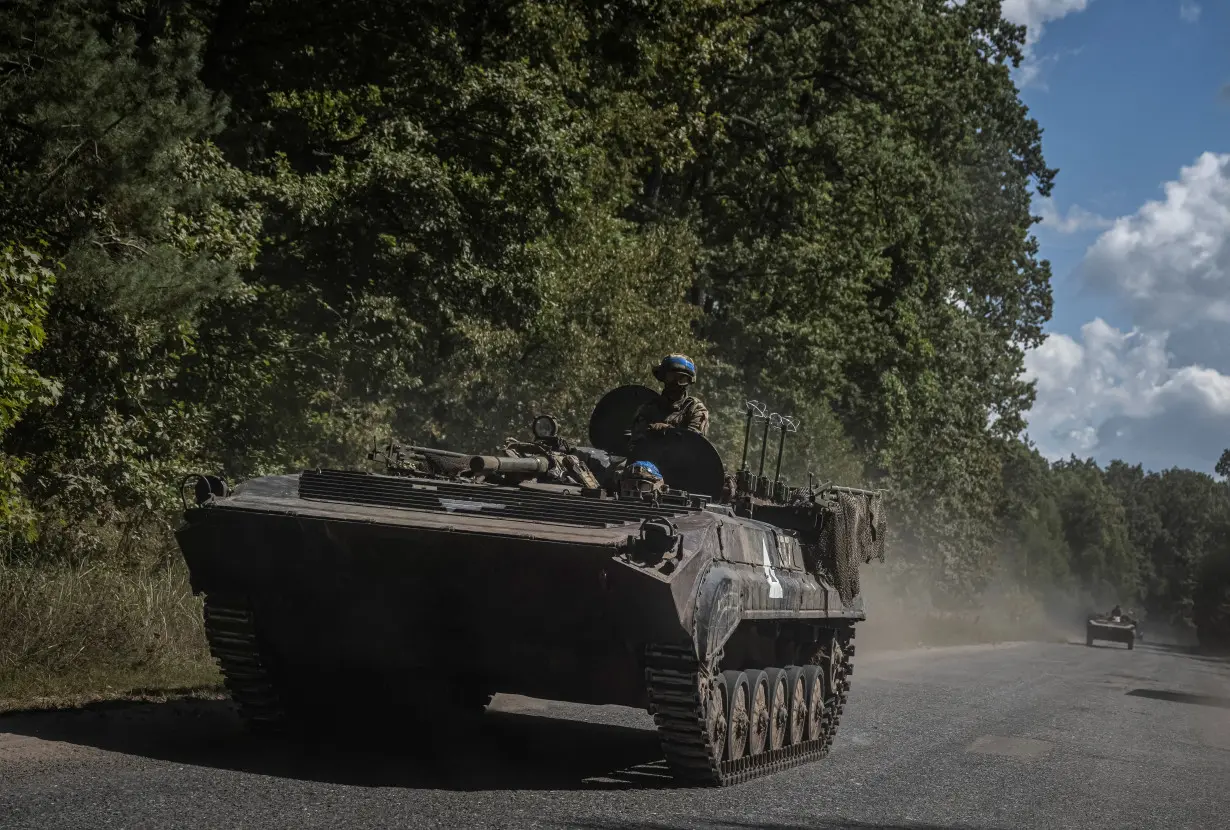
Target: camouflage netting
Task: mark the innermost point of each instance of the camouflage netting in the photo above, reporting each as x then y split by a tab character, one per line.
853	534
446	465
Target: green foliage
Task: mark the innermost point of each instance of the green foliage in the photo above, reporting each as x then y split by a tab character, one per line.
104	152
26	285
603	280
864	216
1035	544
1177	520
1223	464
1096	532
290	229
1211	603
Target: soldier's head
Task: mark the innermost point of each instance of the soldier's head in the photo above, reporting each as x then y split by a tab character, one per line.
640	480
677	372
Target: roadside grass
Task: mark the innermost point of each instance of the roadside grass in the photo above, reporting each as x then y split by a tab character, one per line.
74	634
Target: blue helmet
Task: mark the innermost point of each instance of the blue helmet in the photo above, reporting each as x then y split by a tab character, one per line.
641	479
644	469
676	363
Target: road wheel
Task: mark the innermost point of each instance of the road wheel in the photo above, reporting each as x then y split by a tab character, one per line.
779	709
796	694
813	683
715	716
737	714
758	712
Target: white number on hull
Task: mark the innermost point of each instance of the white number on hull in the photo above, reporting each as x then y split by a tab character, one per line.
775	587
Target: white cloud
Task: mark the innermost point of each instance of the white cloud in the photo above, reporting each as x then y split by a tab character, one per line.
1034	15
1160	393
1116	394
1189	12
1075	219
1170	261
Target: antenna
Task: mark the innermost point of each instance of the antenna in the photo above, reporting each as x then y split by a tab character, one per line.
773	420
754	409
787	424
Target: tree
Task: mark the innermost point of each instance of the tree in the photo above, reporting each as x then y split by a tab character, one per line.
104	155
26	284
1223	464
863	213
426	207
1096	529
1035	543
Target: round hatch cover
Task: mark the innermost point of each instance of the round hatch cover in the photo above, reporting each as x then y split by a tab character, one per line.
613	415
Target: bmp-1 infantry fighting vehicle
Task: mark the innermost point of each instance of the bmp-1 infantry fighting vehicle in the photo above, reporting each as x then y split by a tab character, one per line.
725	605
1116	628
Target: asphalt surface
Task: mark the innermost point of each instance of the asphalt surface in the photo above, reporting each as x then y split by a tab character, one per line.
1026	735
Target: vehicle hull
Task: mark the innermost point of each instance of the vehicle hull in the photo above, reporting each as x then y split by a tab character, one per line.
1113	632
333	592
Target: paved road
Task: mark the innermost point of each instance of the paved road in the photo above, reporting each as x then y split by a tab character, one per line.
1009	736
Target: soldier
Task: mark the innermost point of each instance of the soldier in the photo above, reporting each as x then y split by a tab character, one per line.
674	408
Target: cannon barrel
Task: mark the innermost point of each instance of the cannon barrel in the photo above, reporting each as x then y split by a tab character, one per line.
497	464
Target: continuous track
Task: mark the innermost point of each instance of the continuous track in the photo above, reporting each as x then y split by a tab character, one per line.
677	695
677	691
231	630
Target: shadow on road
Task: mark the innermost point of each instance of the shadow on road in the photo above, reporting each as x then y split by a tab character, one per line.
504	751
1081	643
1193	652
820	824
1189	652
1182	697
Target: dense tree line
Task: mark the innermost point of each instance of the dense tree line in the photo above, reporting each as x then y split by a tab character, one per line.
248	235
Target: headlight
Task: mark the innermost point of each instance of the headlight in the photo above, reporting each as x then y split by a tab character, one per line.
544	426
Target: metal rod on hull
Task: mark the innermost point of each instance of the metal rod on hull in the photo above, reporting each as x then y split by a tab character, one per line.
755	409
764	441
441	453
858	491
788	425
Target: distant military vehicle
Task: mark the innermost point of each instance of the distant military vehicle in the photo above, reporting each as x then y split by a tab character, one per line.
1117	628
725	605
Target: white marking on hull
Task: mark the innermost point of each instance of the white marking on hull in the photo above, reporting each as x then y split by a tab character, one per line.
461	505
775	587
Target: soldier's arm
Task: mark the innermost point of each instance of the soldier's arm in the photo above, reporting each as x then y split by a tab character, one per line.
698	420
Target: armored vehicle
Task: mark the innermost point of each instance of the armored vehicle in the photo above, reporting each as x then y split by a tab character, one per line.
725	605
1116	629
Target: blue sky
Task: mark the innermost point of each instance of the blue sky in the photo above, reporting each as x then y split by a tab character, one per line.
1130	94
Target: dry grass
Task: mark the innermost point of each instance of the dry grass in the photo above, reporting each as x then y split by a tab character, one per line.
71	634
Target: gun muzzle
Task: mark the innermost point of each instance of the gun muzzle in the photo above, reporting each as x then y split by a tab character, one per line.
497	464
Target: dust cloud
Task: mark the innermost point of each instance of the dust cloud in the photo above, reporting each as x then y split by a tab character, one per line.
902	612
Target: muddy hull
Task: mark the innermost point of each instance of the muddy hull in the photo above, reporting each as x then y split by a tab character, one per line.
534	616
334	595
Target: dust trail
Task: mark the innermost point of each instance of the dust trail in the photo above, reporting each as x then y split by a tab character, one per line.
902	613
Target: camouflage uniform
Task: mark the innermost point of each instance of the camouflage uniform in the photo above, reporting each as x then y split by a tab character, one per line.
686	413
